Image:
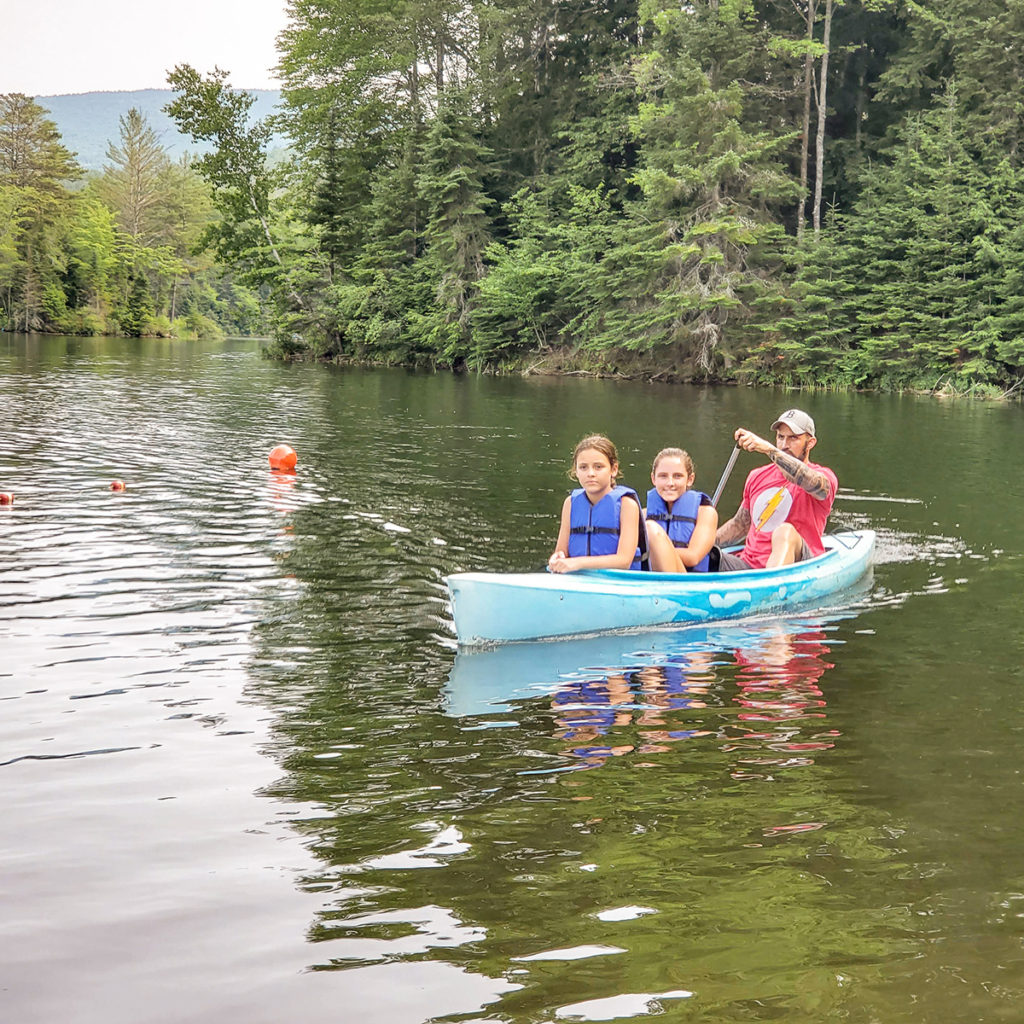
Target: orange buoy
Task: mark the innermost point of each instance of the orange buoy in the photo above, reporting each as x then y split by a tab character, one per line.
117	485
6	498
282	457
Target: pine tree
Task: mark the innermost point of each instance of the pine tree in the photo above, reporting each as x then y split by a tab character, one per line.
699	247
543	280
34	168
384	304
977	44
908	292
137	311
132	182
458	224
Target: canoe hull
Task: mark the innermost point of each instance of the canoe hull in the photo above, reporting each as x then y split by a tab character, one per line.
493	608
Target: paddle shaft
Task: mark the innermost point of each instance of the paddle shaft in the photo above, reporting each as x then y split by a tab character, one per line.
725	475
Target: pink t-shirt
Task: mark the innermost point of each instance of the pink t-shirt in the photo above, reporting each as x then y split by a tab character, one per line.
772	500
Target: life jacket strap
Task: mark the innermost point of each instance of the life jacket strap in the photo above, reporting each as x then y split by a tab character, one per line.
664	517
642	547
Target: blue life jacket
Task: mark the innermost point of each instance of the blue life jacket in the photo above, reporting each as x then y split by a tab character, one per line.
680	522
594	529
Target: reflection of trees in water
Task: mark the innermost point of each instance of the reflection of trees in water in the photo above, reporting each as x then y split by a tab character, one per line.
463	841
686	697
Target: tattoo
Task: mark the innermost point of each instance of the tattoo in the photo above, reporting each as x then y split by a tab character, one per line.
734	530
810	480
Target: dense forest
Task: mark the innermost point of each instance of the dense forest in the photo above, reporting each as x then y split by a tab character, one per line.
810	192
113	252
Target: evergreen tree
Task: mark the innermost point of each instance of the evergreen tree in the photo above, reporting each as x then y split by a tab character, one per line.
137	312
552	74
382	310
998	349
31	154
133	181
93	267
179	219
909	291
545	279
699	247
34	168
458	225
975	42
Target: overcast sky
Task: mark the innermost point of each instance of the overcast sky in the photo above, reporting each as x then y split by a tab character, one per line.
64	46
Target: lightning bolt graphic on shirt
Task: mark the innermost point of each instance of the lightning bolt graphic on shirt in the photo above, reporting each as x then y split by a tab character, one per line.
773	504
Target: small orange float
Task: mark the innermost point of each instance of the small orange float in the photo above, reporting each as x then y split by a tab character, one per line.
117	485
6	498
282	458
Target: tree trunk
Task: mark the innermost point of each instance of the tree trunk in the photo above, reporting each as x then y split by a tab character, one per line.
28	296
805	136
414	84
819	141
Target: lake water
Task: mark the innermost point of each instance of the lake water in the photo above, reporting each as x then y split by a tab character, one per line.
246	776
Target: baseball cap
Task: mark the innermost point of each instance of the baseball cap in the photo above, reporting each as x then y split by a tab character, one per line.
797	421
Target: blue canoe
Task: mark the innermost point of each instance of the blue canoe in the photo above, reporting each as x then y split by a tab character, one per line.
493	608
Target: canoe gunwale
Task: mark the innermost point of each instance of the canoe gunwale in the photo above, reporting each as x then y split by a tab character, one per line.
835	545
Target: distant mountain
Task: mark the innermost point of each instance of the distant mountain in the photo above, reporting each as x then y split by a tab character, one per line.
89	121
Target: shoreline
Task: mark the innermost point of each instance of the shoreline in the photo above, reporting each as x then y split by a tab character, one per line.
557	364
567	363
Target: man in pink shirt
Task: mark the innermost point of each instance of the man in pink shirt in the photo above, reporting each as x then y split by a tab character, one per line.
785	504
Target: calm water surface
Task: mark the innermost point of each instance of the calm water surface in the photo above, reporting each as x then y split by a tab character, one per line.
247	777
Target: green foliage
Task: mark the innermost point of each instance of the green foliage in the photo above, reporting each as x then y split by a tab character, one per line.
977	44
910	290
136	313
10	233
199	326
237	171
700	243
34	168
115	255
538	279
131	184
91	246
457	229
546	206
488	183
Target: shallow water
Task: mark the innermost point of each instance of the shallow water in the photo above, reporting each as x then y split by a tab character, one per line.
247	776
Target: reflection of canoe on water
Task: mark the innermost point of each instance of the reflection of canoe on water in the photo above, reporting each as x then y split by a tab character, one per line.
499	607
488	680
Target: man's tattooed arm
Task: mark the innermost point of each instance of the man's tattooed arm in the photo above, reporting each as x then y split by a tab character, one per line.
734	530
810	480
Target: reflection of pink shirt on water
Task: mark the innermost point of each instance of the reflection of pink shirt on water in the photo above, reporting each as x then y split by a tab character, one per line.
772	500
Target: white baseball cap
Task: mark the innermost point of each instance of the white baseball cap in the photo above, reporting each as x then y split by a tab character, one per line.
797	421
